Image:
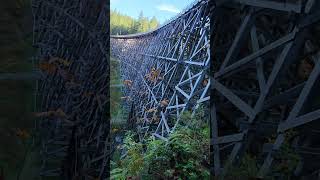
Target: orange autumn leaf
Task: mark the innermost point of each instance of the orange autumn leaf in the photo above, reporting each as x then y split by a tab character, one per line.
49	68
87	94
44	114
155	119
127	82
164	103
304	69
151	110
154	74
60	60
58	113
205	82
22	133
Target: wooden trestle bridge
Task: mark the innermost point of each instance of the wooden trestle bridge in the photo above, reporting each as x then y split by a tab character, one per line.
254	64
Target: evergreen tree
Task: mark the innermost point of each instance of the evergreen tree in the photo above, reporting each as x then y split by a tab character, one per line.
153	23
140	21
121	24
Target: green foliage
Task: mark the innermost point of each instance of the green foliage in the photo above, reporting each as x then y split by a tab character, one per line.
118	174
184	155
121	24
285	162
132	164
134	158
248	169
115	92
287	158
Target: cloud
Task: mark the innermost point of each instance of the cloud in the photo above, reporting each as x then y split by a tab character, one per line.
168	7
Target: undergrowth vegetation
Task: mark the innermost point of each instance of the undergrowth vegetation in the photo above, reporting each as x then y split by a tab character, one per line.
286	161
115	92
184	155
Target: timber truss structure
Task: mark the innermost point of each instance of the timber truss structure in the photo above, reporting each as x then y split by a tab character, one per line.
261	80
265	75
165	71
72	38
259	75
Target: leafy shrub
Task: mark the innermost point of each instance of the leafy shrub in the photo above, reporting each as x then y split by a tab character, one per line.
247	169
184	155
284	164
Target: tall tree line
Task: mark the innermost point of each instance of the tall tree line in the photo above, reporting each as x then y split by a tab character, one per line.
121	24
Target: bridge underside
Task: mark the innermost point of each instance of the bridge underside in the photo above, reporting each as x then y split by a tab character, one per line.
265	83
262	79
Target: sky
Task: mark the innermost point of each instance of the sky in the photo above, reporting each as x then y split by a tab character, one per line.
161	9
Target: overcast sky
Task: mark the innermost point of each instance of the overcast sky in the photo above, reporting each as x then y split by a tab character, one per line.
161	9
